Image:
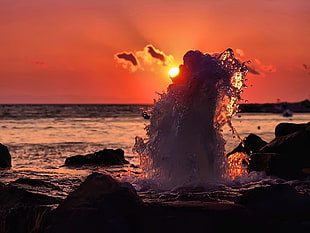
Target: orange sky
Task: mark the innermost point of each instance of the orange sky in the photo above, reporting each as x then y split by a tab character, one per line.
63	51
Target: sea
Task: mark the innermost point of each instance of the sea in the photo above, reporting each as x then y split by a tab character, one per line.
41	136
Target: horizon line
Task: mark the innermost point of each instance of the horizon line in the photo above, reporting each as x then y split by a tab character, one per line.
124	103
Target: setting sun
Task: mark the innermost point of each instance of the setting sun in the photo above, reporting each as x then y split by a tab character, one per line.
174	71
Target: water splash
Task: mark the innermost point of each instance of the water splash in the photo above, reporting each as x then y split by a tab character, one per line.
184	144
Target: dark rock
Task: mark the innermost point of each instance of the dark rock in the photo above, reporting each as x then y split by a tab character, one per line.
34	182
21	211
100	202
277	208
251	144
5	157
286	156
261	162
277	200
104	157
13	195
288	128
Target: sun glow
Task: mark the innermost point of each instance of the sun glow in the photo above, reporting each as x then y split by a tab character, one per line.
173	72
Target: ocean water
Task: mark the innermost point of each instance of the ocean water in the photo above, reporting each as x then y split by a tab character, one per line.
41	137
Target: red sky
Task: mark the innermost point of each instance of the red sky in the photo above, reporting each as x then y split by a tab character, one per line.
63	51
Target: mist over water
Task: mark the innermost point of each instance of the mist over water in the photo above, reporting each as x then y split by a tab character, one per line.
184	143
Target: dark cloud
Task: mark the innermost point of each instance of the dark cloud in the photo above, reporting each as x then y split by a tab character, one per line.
145	59
252	70
40	63
305	66
155	54
128	57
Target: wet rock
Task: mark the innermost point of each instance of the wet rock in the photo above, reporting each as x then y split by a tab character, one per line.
251	144
34	183
104	157
288	128
277	208
5	157
12	195
21	211
286	156
261	162
100	202
277	200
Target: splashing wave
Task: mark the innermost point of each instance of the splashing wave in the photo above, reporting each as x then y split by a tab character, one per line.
184	144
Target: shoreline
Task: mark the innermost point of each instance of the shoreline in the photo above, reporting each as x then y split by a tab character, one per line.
103	204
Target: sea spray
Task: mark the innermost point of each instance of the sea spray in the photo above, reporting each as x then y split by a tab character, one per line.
183	143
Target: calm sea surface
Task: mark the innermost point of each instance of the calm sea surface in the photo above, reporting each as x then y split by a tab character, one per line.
41	137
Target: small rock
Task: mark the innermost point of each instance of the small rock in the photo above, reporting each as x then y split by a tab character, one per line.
251	144
5	157
105	157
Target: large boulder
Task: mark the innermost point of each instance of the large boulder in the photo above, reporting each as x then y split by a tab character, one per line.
286	156
23	208
277	202
288	128
104	157
5	157
99	204
102	204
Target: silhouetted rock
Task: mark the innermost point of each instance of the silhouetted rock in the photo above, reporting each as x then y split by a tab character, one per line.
104	157
277	200
261	162
5	157
34	183
102	204
251	144
288	128
99	204
286	156
22	210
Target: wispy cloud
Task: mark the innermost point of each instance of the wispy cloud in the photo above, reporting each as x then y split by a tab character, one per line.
258	68
240	53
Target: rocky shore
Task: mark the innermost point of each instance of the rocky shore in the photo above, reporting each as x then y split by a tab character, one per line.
103	204
286	156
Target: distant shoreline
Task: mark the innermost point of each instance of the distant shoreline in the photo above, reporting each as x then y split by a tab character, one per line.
297	107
